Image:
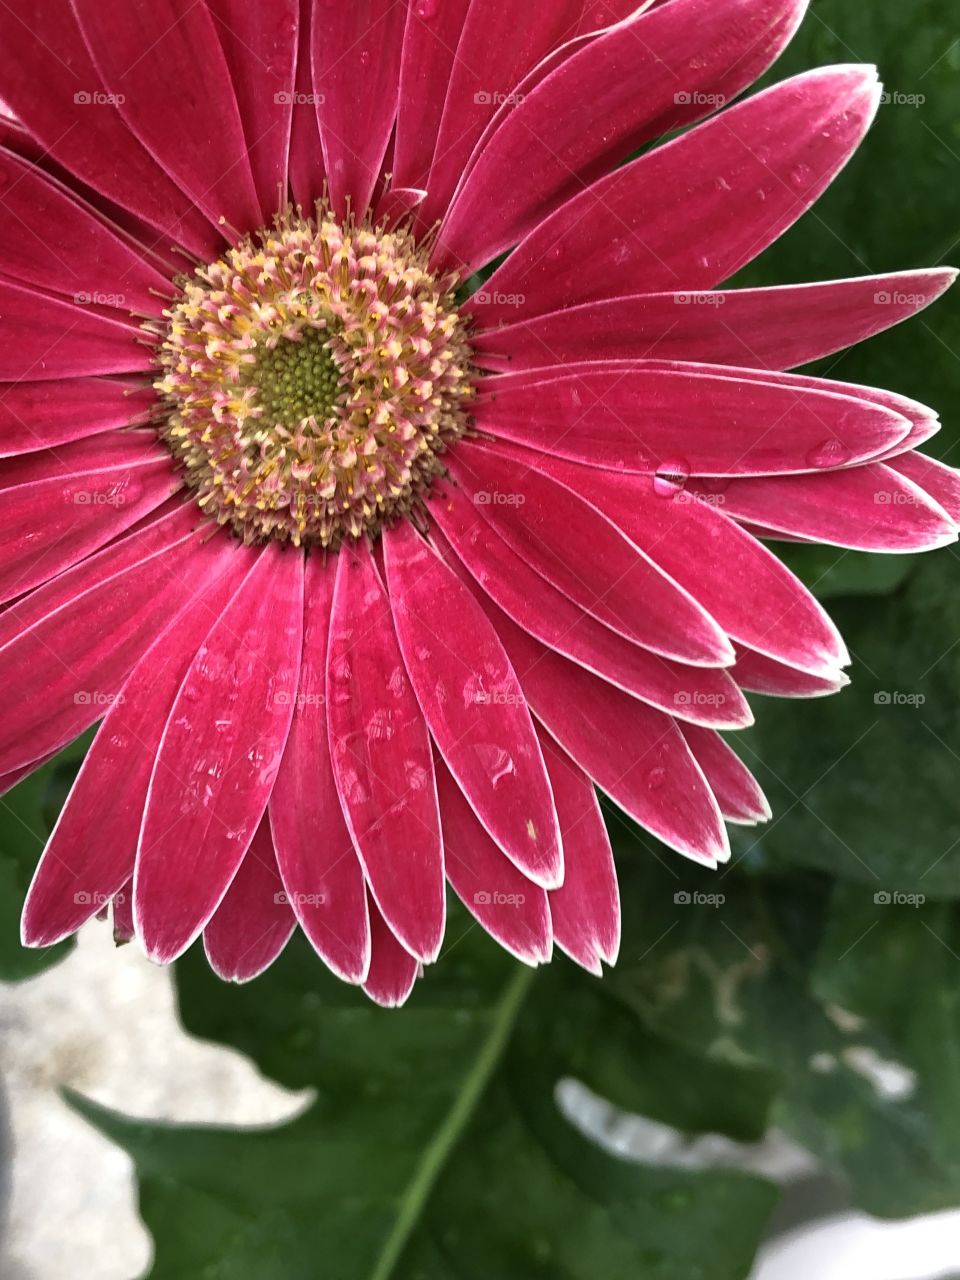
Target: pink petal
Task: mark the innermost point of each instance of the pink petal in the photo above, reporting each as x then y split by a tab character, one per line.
305	161
493	55
429	51
393	971
922	420
737	790
635	754
9	780
593	21
219	756
164	63
754	597
586	908
473	705
382	761
356	72
39	415
397	204
870	508
510	907
584	118
90	855
77	124
53	521
689	214
574	547
43	337
598	14
705	695
321	873
777	328
942	483
253	923
760	674
633	418
76	638
50	240
260	45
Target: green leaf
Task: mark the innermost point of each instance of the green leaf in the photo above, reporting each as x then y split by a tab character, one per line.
831	571
27	814
435	1147
891	961
820	991
864	785
888	211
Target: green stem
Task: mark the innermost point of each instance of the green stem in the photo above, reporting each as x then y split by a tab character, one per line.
457	1118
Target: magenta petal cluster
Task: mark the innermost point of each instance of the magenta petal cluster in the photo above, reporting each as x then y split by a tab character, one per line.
371	573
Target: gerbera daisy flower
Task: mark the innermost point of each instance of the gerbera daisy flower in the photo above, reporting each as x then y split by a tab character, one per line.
372	572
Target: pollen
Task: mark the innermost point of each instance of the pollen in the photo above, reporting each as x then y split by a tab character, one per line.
312	378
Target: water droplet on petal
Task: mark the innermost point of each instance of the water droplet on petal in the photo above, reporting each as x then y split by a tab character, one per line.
671	477
656	778
831	453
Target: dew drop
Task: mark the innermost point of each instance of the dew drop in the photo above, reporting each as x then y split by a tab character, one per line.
656	778
427	9
831	453
671	477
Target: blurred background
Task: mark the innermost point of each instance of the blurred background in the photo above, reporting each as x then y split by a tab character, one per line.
767	1086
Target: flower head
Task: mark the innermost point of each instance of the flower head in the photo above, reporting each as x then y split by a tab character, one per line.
386	471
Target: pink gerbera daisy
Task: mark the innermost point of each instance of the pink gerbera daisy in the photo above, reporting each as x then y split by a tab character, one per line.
373	572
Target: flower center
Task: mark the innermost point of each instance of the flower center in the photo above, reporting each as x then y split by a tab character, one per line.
312	379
